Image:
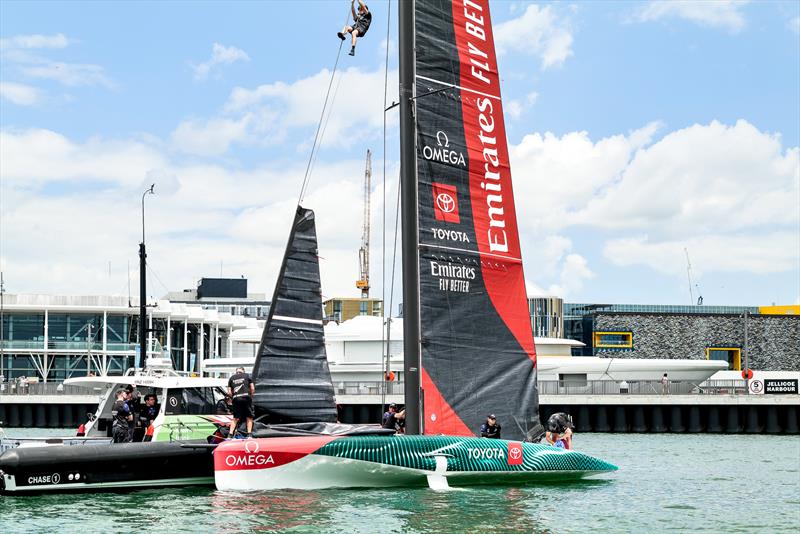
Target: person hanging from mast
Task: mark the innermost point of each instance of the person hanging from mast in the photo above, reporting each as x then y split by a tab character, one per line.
361	22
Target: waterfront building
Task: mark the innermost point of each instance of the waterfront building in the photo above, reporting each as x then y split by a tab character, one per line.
226	295
767	337
56	337
547	316
340	309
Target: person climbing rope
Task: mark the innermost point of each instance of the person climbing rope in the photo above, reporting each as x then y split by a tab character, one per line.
361	23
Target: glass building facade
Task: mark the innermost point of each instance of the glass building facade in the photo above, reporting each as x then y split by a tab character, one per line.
53	338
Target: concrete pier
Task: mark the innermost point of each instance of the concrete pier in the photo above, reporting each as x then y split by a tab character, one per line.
730	414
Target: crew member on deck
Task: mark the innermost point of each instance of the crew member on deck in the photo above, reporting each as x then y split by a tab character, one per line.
491	428
147	414
241	389
559	430
225	406
361	22
391	418
122	417
135	405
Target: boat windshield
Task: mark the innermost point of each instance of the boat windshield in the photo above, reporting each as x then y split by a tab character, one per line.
193	401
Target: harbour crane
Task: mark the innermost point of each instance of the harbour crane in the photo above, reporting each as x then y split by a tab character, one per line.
363	253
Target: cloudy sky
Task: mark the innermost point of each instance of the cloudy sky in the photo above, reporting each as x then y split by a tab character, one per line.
637	132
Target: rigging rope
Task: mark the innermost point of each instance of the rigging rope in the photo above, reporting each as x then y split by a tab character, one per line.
383	226
317	136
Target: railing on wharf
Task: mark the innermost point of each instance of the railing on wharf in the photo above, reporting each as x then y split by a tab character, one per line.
546	387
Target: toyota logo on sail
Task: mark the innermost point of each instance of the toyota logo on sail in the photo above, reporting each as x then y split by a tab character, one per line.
445	202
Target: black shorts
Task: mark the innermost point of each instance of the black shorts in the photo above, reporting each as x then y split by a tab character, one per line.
243	408
361	28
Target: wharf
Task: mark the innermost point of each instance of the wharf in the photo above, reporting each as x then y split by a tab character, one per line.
599	406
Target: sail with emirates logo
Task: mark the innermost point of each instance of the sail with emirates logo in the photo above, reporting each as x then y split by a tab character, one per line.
477	350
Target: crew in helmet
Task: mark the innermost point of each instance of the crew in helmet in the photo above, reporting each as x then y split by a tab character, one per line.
559	430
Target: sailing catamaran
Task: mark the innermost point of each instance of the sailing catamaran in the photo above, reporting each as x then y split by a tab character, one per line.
468	342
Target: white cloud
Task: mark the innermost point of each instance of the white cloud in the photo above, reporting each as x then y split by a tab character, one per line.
539	32
220	55
725	14
515	108
731	194
556	176
700	179
34	41
16	54
268	113
20	94
69	74
70	208
554	260
35	157
762	253
209	138
794	25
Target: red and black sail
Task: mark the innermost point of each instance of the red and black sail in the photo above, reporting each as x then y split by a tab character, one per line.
477	350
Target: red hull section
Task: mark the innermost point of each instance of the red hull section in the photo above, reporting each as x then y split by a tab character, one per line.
237	455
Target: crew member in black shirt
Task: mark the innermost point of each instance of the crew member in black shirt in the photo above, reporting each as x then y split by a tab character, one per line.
491	428
391	419
241	389
147	414
224	406
122	417
361	22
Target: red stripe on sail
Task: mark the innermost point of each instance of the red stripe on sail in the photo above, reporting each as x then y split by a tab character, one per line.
493	210
440	418
265	453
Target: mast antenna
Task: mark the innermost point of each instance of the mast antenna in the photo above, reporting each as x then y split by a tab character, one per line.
363	253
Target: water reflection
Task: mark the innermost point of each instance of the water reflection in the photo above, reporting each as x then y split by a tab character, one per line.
269	511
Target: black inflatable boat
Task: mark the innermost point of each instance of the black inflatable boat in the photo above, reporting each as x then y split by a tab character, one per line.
127	466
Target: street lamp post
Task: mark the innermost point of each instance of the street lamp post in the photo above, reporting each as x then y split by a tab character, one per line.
2	336
143	288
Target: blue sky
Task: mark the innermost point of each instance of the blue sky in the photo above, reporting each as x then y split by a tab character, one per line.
636	130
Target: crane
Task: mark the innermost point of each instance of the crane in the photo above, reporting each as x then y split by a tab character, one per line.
363	253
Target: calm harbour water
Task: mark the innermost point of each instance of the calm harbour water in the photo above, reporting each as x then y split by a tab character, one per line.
666	482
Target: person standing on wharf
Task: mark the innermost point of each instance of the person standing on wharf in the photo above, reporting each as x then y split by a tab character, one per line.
241	389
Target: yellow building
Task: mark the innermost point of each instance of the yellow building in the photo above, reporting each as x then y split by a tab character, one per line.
342	309
780	310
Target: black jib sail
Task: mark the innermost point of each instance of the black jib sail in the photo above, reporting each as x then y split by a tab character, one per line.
477	350
293	381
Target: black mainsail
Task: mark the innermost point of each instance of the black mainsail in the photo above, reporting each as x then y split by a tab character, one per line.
293	381
477	353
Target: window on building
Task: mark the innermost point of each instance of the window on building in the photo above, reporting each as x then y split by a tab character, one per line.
726	354
573	379
362	307
23	330
613	340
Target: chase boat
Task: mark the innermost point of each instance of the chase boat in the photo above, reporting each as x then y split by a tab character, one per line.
173	451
